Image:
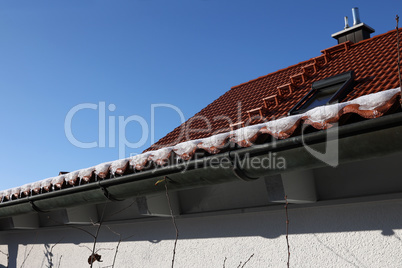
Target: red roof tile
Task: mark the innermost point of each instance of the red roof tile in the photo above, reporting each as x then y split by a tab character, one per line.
372	60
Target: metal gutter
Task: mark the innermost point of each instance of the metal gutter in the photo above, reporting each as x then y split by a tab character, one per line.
362	140
389	121
359	141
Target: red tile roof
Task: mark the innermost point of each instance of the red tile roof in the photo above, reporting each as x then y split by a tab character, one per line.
374	62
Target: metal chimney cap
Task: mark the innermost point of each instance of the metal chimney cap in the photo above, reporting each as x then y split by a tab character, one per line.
356	16
346	22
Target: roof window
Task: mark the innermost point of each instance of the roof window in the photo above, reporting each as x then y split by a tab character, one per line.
327	91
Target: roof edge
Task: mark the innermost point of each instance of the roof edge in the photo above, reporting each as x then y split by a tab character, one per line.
147	182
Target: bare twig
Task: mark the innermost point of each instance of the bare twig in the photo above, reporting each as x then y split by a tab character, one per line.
173	220
118	245
26	257
121	210
60	260
94	256
49	254
115	253
244	264
56	244
29	252
90	249
72	226
224	262
84	246
287	229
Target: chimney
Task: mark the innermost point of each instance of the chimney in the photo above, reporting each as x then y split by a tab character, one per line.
356	33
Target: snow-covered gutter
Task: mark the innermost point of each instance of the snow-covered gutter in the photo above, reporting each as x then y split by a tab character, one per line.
357	141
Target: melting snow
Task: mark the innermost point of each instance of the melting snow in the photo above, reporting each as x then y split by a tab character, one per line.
139	160
72	177
245	133
102	169
58	181
187	147
161	154
319	114
86	173
5	193
26	187
323	113
215	140
372	101
118	166
282	124
45	184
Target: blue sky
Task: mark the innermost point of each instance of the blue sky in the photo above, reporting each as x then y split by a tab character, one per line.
56	55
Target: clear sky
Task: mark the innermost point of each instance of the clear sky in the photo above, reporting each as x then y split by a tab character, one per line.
127	55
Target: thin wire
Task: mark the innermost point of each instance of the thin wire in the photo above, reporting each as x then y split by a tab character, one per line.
173	221
399	56
287	229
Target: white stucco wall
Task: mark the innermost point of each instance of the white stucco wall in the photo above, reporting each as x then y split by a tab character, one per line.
352	235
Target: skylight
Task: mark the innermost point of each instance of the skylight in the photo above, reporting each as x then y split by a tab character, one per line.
327	91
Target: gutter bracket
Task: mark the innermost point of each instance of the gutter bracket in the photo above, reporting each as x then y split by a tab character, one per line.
108	195
36	208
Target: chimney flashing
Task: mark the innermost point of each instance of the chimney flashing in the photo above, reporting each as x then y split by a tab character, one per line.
354	27
349	34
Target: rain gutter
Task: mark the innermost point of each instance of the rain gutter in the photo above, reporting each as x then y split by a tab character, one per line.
358	141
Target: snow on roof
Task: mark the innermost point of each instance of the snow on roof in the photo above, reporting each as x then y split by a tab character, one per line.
368	106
